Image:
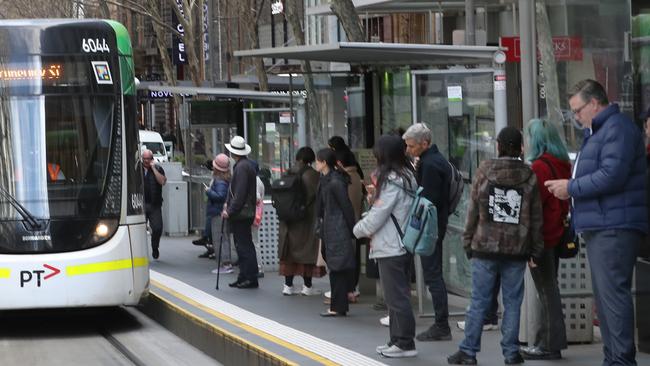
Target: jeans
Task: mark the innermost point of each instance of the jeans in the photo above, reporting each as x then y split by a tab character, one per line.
432	273
484	275
243	237
612	256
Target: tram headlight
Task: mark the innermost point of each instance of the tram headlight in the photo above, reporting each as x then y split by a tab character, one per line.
104	230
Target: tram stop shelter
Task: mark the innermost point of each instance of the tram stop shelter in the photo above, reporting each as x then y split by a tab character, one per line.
459	91
210	117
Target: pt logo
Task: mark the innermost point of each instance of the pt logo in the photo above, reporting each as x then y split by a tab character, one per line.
37	274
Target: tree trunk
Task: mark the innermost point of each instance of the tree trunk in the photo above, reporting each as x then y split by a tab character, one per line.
347	14
549	68
249	12
314	126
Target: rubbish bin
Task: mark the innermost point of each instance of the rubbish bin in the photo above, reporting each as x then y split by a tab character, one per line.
174	209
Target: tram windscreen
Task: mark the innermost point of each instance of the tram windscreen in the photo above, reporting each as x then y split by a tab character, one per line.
57	146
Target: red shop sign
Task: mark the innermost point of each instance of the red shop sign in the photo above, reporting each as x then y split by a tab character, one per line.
565	48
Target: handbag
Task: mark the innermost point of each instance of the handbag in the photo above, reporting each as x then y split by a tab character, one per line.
568	246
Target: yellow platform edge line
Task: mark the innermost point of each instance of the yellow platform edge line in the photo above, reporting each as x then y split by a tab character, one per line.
269	337
197	319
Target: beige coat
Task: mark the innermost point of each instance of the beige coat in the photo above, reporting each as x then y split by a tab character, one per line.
355	191
297	242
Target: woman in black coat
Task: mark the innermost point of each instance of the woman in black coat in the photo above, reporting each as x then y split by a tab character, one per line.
336	221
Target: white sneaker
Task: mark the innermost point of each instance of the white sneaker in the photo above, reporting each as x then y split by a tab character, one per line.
396	352
287	290
385	321
486	327
224	269
328	294
308	291
356	292
383	347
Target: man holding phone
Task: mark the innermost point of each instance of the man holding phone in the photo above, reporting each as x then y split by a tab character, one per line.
154	179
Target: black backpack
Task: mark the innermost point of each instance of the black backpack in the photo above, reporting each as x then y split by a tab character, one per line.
456	187
289	197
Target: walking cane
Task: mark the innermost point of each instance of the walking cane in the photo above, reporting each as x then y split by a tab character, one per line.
223	222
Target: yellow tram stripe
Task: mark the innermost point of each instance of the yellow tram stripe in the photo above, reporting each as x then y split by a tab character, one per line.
5	272
117	265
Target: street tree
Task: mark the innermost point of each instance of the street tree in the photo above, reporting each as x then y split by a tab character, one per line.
250	12
315	125
349	18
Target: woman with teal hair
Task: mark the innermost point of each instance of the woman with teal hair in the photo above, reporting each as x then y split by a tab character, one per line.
550	160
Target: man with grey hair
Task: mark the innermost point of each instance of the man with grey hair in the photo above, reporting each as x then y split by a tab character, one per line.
433	174
608	195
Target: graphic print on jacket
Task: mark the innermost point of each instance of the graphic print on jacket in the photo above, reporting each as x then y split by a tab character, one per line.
504	204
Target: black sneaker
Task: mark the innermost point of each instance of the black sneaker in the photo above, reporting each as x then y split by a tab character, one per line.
514	360
201	241
536	353
435	333
461	358
155	254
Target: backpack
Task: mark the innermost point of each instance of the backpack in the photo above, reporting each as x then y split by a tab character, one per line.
421	231
289	197
456	187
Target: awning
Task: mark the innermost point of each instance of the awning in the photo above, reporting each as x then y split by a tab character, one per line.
402	6
219	92
373	53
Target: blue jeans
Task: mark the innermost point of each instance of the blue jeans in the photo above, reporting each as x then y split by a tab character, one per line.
612	256
484	277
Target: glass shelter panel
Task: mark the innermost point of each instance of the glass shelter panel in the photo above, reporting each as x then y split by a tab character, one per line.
273	140
458	106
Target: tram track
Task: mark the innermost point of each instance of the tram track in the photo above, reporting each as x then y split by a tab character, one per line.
121	348
105	336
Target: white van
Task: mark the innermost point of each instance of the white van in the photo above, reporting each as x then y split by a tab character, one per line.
152	140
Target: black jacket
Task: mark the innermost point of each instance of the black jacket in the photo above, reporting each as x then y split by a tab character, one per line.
152	189
434	176
243	186
336	217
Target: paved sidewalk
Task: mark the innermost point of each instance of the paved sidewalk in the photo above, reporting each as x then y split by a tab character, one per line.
360	331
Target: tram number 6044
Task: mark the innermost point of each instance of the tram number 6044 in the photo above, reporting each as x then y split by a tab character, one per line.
94	45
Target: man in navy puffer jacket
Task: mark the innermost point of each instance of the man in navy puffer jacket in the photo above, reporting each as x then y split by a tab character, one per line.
608	193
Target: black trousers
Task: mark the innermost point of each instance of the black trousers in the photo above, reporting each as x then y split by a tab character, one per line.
243	235
154	216
396	284
340	284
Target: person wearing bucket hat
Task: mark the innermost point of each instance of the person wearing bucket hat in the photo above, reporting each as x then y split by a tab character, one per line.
216	194
240	212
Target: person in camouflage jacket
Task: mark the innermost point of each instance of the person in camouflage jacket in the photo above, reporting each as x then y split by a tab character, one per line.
503	231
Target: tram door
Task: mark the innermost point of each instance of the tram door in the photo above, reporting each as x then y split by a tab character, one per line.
458	106
273	137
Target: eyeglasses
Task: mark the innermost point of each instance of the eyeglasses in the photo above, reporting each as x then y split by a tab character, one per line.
576	111
147	158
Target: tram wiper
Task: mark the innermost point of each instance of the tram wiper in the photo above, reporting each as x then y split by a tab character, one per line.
33	222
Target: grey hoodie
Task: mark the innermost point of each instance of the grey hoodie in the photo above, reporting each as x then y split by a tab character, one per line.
377	224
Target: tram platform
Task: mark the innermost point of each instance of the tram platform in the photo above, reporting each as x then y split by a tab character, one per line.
261	326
